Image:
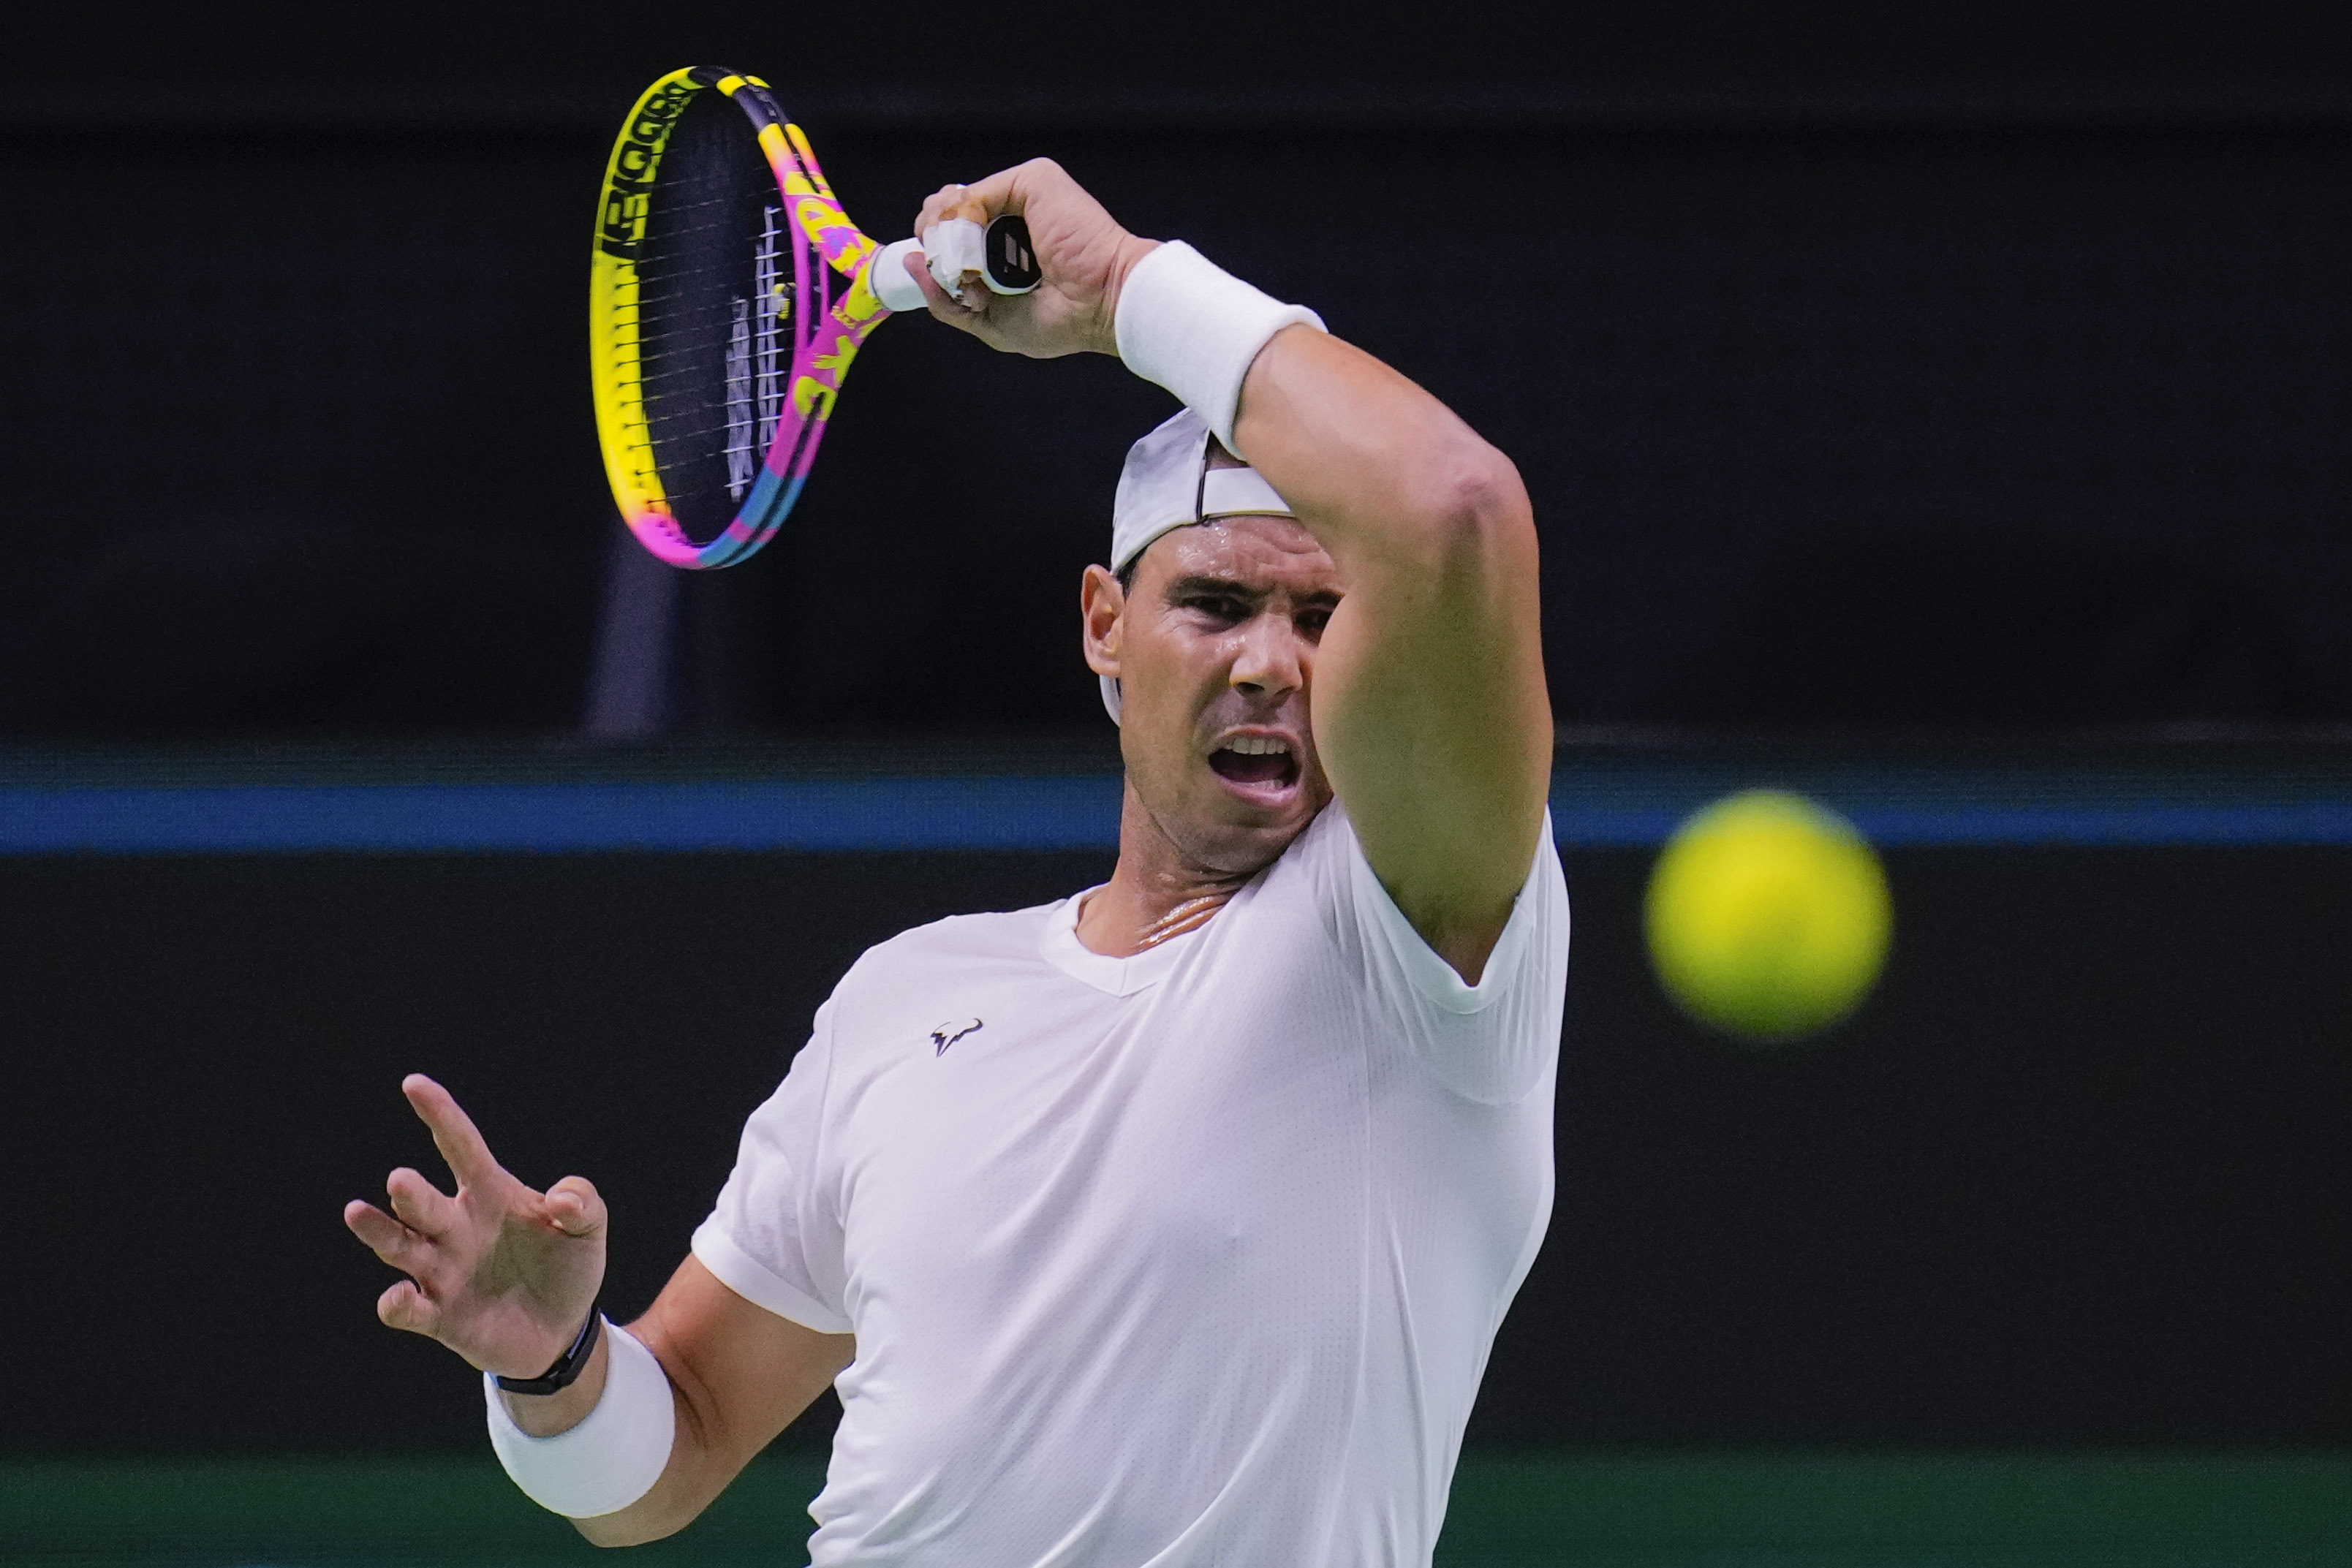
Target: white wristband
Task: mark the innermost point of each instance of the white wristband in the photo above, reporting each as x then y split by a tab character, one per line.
609	1460
1193	327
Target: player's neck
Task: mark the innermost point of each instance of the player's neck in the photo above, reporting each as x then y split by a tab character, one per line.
1156	891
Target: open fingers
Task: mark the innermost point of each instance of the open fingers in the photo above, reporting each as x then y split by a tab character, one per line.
453	1133
418	1204
387	1238
574	1206
404	1306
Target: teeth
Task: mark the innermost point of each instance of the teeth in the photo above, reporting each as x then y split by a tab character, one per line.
1258	746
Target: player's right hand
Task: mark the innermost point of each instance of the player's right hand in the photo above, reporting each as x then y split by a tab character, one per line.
1083	252
499	1274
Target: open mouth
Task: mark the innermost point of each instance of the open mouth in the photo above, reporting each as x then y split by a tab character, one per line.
1255	760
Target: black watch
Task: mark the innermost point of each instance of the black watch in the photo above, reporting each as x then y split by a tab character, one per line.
568	1366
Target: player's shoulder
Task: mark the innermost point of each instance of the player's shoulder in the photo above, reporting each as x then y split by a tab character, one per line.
996	941
1326	869
1329	857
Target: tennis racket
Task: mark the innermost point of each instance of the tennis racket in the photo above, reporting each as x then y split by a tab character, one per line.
727	294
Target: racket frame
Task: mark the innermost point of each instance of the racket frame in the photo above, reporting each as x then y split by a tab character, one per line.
831	308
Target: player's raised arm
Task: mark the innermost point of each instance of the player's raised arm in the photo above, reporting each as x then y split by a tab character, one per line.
630	1432
1430	713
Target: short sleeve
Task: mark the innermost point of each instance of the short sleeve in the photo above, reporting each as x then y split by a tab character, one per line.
1496	1041
774	1237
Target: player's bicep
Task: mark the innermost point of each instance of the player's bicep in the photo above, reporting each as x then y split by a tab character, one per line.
1431	714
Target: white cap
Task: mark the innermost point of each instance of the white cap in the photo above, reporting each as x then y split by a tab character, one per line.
1167	483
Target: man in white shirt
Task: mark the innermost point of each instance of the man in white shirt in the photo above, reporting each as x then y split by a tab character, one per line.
1170	1224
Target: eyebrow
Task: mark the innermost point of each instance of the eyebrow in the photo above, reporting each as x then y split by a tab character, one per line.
1187	587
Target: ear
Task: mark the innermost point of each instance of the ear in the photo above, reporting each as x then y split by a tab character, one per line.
1102	608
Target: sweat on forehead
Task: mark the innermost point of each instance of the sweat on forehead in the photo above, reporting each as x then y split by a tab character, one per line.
1247	549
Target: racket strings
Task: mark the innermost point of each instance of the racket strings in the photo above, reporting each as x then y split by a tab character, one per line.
725	305
753	387
716	327
758	362
730	299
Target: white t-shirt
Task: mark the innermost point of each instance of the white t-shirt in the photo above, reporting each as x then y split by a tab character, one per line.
1192	1258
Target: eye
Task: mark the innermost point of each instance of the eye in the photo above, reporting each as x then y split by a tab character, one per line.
1221	608
1310	622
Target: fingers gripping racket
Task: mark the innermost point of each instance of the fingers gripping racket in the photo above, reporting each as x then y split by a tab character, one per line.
727	294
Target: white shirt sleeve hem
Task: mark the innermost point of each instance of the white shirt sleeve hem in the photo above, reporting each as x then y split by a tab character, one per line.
1430	975
741	1273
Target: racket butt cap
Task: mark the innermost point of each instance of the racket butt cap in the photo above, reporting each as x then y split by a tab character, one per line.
891	285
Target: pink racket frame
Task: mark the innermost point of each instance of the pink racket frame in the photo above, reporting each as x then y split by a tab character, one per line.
833	306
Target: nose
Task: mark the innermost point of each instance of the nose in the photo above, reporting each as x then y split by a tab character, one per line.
1271	660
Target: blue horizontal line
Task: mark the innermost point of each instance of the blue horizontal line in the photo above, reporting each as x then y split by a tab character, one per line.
1935	824
1053	812
1003	813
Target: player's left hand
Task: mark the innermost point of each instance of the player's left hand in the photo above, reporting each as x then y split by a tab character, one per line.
1083	252
500	1273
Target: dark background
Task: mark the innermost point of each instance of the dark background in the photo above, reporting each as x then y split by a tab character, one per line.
1872	366
2074	1175
1875	369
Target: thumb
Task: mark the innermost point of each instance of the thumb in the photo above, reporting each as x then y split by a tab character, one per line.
572	1206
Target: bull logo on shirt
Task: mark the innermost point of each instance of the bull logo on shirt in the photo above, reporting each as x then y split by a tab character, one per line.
946	1034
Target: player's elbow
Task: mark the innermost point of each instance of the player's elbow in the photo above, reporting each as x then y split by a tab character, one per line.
623	1529
1467	508
675	1502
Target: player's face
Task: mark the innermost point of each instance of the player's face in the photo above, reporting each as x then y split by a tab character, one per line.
1215	647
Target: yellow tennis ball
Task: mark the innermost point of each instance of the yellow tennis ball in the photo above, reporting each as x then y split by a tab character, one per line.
1768	917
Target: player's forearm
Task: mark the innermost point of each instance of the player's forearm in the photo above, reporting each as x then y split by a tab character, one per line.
677	1500
688	1484
1389	480
737	1375
695	1472
626	1452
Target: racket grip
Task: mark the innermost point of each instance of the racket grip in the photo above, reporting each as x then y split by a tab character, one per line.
888	274
1001	257
1008	260
958	252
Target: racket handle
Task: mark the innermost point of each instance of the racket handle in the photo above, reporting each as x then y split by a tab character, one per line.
1002	256
1009	261
887	275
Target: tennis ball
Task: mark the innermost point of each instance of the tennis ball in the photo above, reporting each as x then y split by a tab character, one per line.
1768	917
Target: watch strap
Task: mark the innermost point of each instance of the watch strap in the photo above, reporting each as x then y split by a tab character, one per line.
568	1366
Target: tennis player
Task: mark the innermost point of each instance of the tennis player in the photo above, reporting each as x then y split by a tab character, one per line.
1171	1223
